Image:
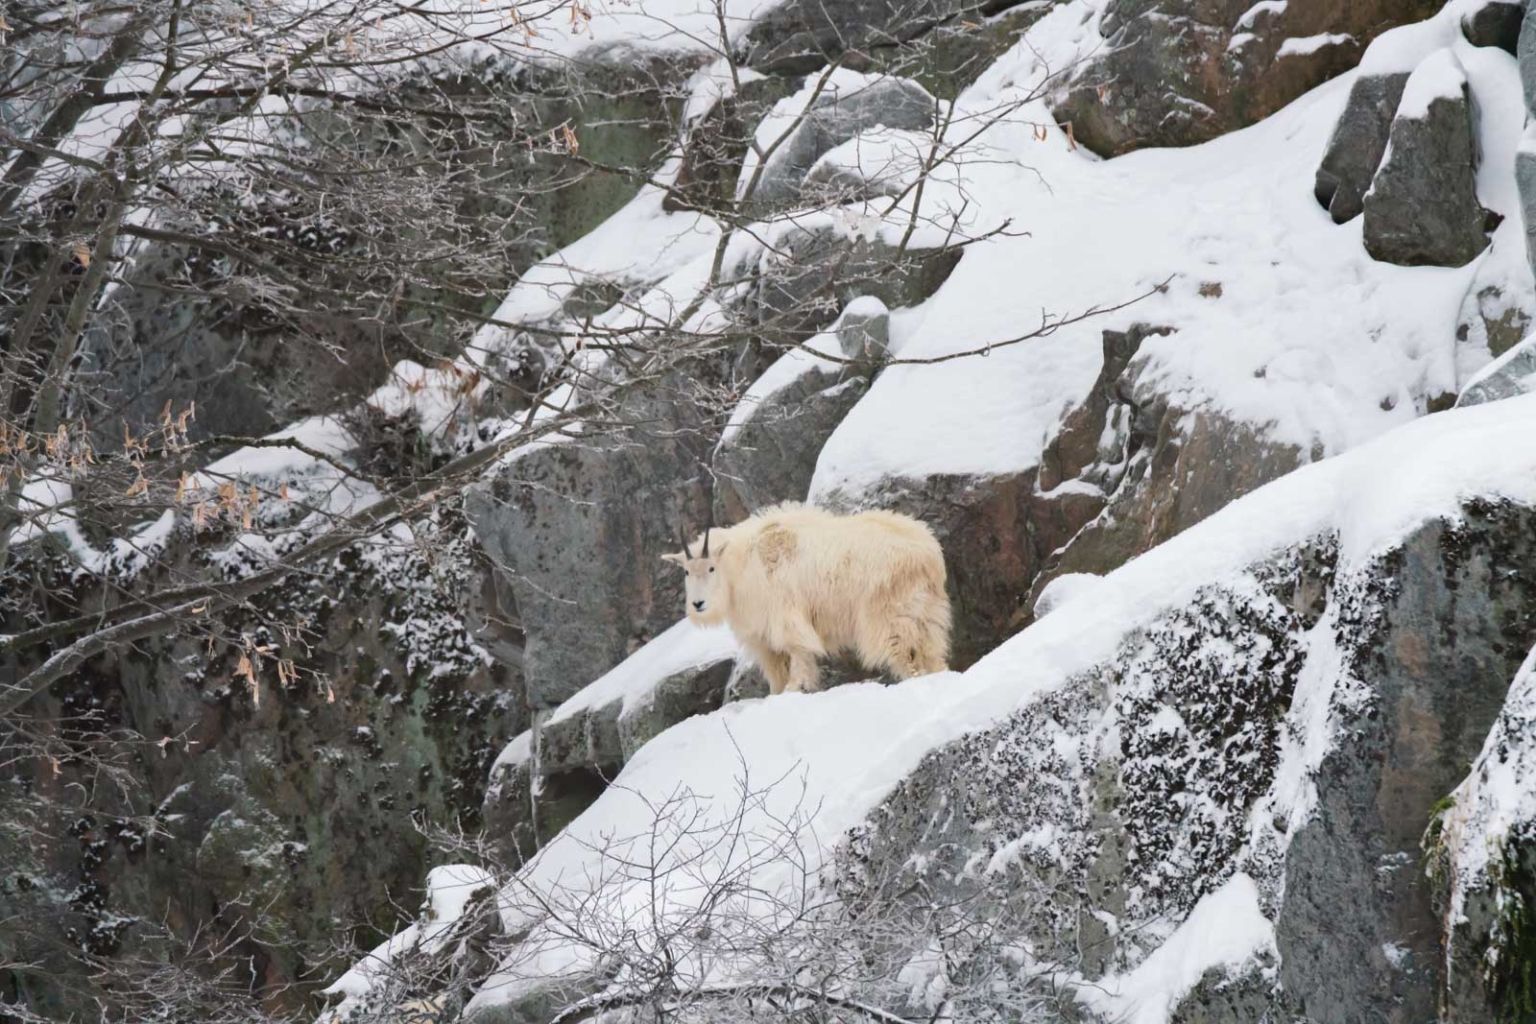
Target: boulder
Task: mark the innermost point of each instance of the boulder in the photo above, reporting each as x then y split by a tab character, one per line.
1182	72
1087	436
1512	374
1422	207
1495	23
693	691
1156	466
1357	144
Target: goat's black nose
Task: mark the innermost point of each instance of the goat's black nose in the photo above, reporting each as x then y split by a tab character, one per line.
698	606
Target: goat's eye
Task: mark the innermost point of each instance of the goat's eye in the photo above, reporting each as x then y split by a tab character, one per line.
711	568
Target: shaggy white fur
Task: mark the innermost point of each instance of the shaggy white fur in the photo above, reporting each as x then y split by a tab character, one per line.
796	583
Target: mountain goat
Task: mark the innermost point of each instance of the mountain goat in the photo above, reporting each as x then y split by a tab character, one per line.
796	583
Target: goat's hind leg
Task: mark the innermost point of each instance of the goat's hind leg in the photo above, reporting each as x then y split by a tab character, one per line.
908	649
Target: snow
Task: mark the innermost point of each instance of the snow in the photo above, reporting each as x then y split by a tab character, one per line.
1306	45
1064	588
1439	77
1250	17
449	889
1335	349
1225	930
843	753
681	647
325	434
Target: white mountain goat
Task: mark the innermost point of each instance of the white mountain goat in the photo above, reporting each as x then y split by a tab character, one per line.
796	583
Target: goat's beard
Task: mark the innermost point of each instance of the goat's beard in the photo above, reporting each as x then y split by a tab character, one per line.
710	616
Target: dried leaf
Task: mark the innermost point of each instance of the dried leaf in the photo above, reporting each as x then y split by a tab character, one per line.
82	253
245	670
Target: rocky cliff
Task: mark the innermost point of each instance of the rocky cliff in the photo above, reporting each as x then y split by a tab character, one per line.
1165	350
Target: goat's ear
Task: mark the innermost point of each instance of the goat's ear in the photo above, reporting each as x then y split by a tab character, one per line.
720	548
674	558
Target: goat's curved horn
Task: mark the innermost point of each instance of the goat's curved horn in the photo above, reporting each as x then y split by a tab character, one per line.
684	538
706	542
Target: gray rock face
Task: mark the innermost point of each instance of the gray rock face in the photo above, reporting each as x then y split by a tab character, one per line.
1457	615
773	456
1422	208
717	143
839	113
1525	180
770	454
1357	144
1512	374
1147	819
814	274
1496	23
578	530
1181	72
1525	49
804	35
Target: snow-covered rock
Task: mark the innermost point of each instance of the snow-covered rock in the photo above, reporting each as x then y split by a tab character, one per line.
1513	373
550	773
827	111
1481	857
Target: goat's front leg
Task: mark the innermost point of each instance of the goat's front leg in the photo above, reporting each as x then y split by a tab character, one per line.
776	668
804	676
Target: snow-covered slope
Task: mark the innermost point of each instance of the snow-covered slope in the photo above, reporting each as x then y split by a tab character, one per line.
836	756
1282	319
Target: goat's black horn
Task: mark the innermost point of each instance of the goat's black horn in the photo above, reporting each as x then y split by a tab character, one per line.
684	538
706	542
